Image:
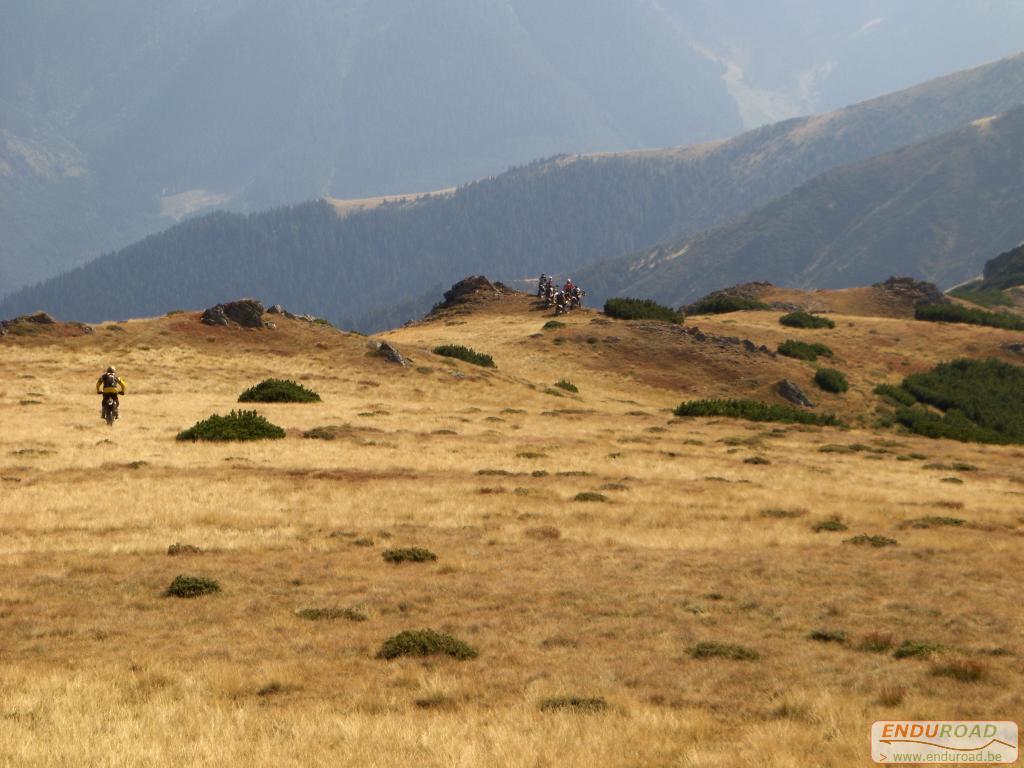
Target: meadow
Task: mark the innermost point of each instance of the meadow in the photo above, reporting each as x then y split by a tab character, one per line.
731	593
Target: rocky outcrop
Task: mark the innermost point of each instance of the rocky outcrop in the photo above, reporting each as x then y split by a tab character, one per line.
728	341
791	391
247	313
390	354
470	290
277	309
36	319
911	291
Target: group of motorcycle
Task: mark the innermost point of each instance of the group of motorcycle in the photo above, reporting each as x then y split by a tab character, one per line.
564	299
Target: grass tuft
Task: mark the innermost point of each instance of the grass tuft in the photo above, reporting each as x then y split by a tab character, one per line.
579	704
800	350
568	386
331	614
713	650
408	555
863	540
590	496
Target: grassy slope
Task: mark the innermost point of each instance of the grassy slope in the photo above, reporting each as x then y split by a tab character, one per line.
681	554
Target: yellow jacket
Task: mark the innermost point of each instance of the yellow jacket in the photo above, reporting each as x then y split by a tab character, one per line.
102	390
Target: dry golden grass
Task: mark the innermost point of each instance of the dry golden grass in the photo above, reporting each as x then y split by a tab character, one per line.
560	597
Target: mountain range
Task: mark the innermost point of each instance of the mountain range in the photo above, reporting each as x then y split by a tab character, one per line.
377	267
118	119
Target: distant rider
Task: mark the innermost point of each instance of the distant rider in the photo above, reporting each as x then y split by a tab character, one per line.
542	283
569	287
109	383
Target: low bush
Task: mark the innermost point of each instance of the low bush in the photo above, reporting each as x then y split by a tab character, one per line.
827	636
875	642
803	351
911	649
981	401
956	313
425	642
568	386
783	514
331	614
754	410
191	586
829	526
183	549
897	394
803	319
236	426
756	460
720	304
278	391
831	380
963	670
408	555
467	354
590	496
551	325
863	540
641	309
574	703
712	650
933	521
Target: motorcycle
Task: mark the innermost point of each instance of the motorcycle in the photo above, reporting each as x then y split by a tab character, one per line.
109	410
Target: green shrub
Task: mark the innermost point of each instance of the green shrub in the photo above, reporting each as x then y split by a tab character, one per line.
963	670
910	649
425	642
933	521
408	555
956	313
465	353
863	540
278	391
237	425
875	642
982	401
590	496
711	650
574	703
783	514
754	410
720	304
829	526
551	325
827	636
756	460
330	614
191	586
568	386
831	380
803	319
895	393
641	309
803	351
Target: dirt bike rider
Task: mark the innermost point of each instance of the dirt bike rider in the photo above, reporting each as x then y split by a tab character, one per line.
109	383
542	284
560	307
569	287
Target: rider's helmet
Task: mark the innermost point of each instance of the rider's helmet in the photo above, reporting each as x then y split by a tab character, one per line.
110	369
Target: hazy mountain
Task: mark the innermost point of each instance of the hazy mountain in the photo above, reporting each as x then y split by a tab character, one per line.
379	267
118	118
935	210
1005	271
